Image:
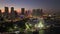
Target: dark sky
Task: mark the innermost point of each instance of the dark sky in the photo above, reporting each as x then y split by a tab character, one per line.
30	4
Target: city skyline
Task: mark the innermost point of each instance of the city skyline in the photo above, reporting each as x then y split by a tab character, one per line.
31	4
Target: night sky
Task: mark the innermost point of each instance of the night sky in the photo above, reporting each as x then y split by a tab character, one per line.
30	4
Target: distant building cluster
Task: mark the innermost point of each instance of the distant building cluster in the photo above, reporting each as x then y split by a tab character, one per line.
24	13
37	12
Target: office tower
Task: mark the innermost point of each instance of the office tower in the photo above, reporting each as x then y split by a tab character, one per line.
1	17
34	12
12	9
27	13
37	12
12	13
0	13
22	11
41	12
6	13
6	10
16	14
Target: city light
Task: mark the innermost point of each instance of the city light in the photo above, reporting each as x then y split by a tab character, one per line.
29	16
27	26
40	25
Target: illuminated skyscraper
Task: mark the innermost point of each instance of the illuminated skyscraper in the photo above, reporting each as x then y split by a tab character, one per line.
22	11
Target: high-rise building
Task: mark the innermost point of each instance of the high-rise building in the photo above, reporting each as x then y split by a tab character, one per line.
34	12
0	13
27	13
6	10
1	17
37	12
12	13
6	13
22	11
12	9
41	12
16	14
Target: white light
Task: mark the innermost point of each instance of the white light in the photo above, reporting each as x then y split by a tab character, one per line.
27	26
17	31
15	26
49	15
40	25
